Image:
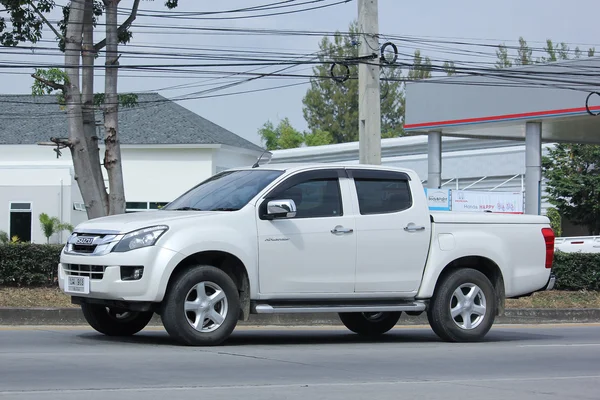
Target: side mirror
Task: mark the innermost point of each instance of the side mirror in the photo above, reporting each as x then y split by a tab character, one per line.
281	209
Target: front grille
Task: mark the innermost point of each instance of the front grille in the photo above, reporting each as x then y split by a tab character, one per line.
84	248
95	272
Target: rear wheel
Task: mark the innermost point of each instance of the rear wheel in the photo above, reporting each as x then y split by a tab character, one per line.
370	323
463	309
115	322
202	307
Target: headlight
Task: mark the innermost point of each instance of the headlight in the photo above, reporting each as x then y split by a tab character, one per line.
140	238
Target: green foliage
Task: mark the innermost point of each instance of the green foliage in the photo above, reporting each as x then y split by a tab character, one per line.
52	225
553	52
332	107
24	22
127	100
577	271
284	136
26	264
3	237
555	221
573	185
317	138
449	68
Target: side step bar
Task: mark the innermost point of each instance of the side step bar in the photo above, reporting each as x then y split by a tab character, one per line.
335	308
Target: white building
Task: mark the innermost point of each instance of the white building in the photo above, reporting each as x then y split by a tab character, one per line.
166	149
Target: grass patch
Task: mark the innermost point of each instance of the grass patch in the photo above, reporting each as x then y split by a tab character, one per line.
557	299
34	297
53	297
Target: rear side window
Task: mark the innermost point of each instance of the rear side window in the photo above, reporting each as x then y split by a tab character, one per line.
382	196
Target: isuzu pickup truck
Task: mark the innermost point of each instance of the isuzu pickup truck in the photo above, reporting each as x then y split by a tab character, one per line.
356	240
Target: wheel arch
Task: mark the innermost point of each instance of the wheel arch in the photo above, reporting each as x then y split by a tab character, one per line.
484	265
228	263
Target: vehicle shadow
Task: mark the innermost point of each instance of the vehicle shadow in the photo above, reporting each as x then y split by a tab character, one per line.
319	336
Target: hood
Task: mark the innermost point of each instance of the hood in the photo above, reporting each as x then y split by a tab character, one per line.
124	223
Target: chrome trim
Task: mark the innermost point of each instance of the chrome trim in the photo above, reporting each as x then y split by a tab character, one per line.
279	208
103	242
413	228
98	232
341	229
551	282
268	309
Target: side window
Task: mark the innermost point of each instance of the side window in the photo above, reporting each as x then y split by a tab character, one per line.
315	198
381	196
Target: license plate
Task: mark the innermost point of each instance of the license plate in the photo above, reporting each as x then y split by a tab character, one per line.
78	284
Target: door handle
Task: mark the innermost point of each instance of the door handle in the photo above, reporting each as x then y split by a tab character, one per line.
413	228
341	229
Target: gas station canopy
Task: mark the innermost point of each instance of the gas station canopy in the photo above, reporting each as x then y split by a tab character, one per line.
498	102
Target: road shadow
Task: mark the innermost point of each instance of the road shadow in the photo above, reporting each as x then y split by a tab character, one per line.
319	336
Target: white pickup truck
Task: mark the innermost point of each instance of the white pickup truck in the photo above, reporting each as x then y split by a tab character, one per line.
355	240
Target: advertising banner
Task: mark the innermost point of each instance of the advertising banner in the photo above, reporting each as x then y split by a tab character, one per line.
438	199
497	202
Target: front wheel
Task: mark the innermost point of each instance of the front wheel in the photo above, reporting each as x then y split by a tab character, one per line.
115	322
201	307
464	306
370	323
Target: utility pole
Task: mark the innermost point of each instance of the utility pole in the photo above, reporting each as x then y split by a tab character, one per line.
369	101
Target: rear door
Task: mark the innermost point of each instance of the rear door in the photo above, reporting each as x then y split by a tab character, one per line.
392	232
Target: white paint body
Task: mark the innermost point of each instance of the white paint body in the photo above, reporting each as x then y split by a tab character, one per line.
299	259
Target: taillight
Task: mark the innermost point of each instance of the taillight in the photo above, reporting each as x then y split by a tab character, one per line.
549	239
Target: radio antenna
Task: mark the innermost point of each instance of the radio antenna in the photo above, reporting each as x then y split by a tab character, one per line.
256	164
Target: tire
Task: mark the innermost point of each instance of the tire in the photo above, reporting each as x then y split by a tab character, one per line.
477	313
114	322
184	293
370	324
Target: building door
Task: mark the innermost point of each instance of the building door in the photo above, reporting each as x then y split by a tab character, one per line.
20	221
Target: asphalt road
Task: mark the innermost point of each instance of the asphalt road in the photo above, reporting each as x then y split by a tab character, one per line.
518	362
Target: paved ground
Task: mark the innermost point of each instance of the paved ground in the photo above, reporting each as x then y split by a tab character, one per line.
518	362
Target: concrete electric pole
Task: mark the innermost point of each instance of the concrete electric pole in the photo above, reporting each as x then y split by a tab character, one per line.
369	101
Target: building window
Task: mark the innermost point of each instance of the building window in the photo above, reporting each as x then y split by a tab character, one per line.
136	206
20	221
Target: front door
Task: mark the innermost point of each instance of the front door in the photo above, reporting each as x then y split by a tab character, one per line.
315	251
392	232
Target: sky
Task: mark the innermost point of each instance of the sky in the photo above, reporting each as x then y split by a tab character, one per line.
244	113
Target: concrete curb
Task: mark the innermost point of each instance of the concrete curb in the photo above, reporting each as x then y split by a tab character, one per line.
73	316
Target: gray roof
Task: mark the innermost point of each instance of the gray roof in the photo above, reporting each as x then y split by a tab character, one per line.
25	119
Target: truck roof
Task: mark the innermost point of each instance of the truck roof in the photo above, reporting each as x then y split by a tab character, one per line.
292	167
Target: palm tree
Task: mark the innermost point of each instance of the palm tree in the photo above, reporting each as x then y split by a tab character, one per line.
52	225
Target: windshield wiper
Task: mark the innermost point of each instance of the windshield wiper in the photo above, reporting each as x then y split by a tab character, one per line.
187	209
225	209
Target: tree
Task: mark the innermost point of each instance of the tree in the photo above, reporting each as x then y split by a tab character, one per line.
52	225
553	52
75	86
332	107
285	136
573	185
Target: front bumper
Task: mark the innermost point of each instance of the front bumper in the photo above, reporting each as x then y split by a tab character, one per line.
105	278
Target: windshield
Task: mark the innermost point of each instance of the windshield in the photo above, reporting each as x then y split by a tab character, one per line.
226	191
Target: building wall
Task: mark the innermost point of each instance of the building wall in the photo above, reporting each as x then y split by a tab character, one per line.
152	174
48	190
